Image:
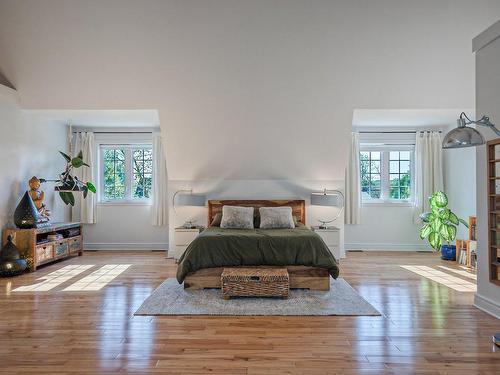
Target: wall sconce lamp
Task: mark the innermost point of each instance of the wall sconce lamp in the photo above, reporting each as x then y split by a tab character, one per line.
465	136
330	198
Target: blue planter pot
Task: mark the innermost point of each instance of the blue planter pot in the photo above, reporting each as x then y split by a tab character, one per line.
448	252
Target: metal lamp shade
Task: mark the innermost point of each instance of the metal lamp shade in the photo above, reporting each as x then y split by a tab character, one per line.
322	199
461	137
191	200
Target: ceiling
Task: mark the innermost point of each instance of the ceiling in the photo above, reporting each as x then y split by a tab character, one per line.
244	89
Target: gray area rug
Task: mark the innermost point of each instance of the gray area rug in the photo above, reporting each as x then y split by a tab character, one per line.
170	298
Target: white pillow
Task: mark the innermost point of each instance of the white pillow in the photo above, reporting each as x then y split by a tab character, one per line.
237	217
276	217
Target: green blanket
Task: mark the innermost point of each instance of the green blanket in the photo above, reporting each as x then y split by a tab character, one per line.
218	247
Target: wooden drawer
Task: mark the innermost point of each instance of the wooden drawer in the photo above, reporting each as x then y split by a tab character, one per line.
44	253
75	244
61	249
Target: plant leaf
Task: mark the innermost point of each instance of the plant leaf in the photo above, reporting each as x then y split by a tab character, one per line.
452	232
85	192
85	164
76	162
425	231
464	223
65	156
91	187
64	197
80	154
71	198
444	232
441	199
425	217
435	240
453	218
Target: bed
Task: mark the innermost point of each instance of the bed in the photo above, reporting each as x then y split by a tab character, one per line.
307	258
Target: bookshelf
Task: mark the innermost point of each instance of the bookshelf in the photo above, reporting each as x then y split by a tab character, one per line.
467	249
493	148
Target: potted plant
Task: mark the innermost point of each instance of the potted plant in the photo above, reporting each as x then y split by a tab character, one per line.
440	225
68	183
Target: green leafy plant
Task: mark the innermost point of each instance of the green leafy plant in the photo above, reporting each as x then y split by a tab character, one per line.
441	223
68	183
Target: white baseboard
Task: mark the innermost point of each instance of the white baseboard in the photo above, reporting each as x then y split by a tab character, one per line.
387	247
487	305
125	246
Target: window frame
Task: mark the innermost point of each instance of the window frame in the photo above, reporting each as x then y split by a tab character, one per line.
385	174
128	147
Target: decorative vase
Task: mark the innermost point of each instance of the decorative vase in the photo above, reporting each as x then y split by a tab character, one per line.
26	214
11	263
448	252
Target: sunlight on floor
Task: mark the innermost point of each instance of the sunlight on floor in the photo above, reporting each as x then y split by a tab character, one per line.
98	279
443	278
55	278
460	272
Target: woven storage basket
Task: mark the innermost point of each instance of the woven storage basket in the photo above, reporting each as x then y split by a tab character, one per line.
255	282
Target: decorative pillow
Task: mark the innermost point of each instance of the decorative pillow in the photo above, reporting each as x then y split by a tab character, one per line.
237	217
276	217
216	220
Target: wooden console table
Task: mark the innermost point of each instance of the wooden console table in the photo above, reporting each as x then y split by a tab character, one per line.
37	250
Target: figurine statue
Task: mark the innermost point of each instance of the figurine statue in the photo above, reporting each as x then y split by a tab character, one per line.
38	196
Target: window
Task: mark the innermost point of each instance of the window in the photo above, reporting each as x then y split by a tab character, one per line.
386	173
126	173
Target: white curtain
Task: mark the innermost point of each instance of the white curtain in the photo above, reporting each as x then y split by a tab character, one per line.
159	210
428	170
352	184
85	210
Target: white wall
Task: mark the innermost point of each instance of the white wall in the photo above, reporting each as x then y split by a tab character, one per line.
125	227
122	226
254	189
487	103
29	147
460	183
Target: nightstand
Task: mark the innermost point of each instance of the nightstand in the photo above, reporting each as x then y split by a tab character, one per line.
182	238
331	236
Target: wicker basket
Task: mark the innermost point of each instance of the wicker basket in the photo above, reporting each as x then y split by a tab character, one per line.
255	282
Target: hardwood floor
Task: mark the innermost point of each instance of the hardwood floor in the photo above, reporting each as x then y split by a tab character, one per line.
426	327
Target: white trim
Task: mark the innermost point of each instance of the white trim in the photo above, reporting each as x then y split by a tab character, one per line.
125	246
487	305
387	247
486	37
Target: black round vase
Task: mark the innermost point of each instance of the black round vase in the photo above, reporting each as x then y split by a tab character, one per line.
11	263
26	214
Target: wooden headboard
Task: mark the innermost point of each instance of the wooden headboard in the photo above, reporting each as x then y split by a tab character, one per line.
298	206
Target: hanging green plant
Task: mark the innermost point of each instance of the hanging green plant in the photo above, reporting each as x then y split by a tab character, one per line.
67	183
440	224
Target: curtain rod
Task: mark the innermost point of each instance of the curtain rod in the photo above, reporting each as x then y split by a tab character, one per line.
400	132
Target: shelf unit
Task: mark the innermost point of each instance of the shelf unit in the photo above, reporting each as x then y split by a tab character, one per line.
467	246
37	250
493	148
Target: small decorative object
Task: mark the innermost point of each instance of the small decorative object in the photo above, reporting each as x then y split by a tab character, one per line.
67	183
441	225
331	198
496	339
26	214
11	263
37	196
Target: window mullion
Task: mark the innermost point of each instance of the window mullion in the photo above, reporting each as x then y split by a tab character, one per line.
128	174
385	175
